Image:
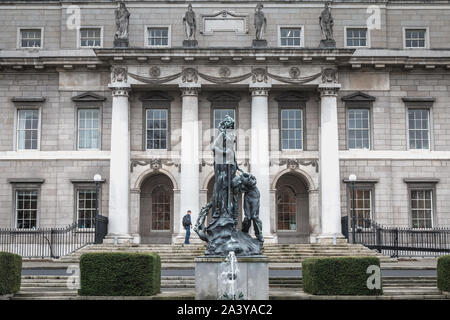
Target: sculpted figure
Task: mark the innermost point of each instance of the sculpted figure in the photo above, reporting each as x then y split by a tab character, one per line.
260	22
122	20
326	22
251	206
190	25
200	224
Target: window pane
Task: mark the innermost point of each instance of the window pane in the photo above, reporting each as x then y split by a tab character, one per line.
286	209
27	129
360	207
418	121
358	128
90	37
158	36
291	129
356	37
26	209
87	208
422	208
156	128
30	38
290	37
88	129
415	38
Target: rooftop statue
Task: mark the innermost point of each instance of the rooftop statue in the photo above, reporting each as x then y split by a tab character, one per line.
122	21
326	26
190	25
221	234
260	22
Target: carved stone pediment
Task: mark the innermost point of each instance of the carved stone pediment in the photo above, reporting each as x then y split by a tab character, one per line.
156	96
223	21
358	97
224	96
88	97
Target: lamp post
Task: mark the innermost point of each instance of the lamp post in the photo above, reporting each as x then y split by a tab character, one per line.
97	180
352	179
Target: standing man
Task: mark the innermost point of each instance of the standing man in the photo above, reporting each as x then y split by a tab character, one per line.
187	225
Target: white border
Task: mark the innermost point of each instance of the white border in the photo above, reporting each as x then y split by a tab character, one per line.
19	38
302	34
169	35
427	37
79	37
368	44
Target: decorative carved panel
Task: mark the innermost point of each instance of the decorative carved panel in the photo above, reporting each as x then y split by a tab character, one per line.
223	21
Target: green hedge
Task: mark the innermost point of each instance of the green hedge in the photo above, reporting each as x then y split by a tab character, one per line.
443	273
339	276
10	272
120	274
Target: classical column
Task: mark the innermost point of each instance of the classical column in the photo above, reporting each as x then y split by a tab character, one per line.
118	226
329	163
259	150
189	176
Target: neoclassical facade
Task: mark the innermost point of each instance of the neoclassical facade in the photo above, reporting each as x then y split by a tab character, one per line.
141	106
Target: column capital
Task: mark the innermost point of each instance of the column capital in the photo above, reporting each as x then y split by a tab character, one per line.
120	89
190	88
260	88
329	89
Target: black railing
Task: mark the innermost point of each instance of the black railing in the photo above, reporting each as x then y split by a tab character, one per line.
51	242
397	242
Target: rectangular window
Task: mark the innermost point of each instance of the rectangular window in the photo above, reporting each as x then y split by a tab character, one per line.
358	129
26	209
292	129
356	37
419	128
86	208
90	37
30	38
158	37
415	38
27	129
361	207
422	208
88	129
156	128
290	37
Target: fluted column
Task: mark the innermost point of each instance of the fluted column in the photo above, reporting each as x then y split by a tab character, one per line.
189	176
259	150
118	226
329	164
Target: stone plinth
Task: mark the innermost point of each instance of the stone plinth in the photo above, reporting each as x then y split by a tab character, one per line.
252	278
259	43
190	44
326	44
120	43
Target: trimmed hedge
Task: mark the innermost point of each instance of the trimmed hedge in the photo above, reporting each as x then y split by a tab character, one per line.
338	276
120	274
443	273
10	272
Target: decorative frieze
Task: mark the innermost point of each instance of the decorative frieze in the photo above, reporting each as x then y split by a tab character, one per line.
294	164
155	164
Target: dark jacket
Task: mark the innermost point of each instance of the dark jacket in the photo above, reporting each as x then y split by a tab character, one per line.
187	220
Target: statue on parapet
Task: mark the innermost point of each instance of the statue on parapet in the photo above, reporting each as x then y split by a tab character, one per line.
122	16
326	26
190	28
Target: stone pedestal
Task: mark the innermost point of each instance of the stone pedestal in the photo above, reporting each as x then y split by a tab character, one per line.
259	43
190	44
252	279
327	44
120	43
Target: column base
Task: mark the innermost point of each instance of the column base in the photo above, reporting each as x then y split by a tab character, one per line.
331	239
118	239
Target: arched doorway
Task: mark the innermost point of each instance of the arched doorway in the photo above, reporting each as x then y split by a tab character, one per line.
156	211
292	209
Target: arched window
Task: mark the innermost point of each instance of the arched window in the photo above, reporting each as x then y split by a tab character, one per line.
161	208
286	209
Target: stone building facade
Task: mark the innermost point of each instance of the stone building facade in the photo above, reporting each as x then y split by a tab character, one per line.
143	116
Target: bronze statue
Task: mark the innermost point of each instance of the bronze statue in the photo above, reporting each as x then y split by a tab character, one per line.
221	234
190	24
260	22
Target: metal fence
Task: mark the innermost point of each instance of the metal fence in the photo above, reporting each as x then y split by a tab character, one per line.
397	242
51	242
